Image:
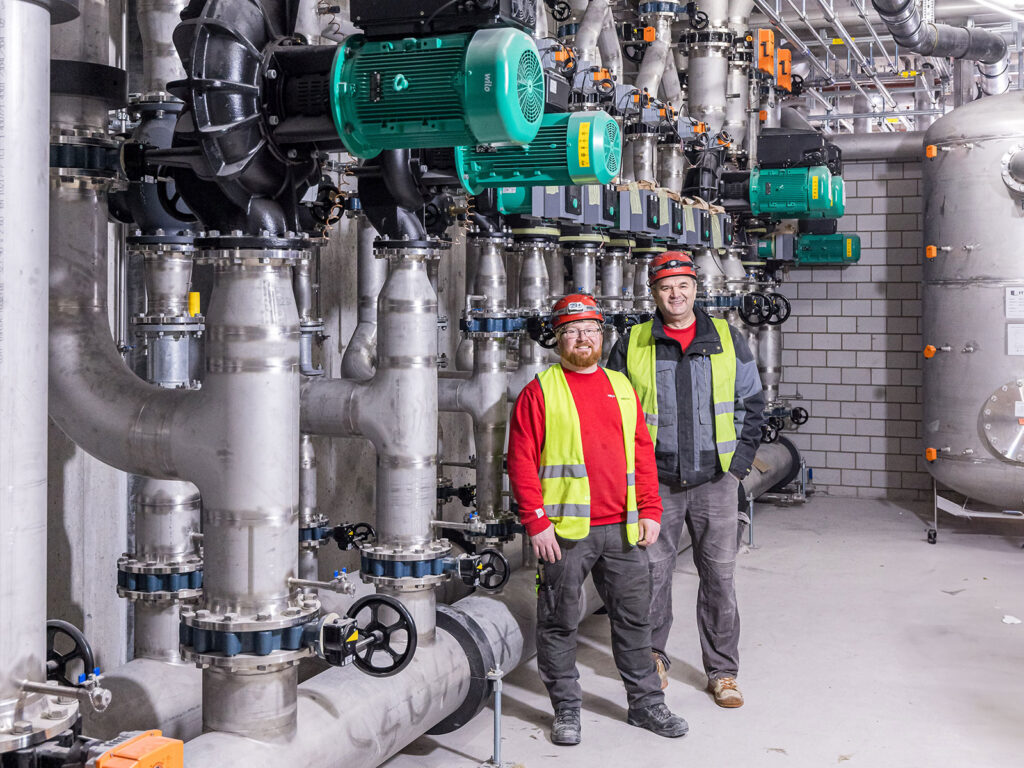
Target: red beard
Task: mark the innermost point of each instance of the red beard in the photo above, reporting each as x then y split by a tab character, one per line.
583	359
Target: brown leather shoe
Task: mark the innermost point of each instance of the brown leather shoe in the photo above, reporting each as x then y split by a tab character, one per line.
726	692
661	664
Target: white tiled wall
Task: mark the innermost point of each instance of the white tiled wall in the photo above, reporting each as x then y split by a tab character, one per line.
852	349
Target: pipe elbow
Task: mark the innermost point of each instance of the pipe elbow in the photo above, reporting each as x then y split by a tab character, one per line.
359	362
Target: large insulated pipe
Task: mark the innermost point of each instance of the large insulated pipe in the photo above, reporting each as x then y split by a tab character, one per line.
352	720
708	71
397	412
910	31
671	166
24	207
360	359
895	146
774	464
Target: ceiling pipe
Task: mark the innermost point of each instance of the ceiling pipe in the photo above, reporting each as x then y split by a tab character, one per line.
969	43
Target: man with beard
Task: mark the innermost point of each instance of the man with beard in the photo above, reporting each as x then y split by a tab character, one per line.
699	386
581	466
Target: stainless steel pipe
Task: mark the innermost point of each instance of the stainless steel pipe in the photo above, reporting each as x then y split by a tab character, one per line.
360	359
24	207
397	412
160	63
483	396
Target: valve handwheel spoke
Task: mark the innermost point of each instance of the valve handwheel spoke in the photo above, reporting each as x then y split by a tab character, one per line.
57	663
380	635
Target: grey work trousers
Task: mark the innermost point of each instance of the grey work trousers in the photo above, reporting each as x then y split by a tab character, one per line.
711	514
623	581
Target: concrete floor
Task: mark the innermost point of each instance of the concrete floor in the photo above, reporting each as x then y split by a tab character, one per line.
861	644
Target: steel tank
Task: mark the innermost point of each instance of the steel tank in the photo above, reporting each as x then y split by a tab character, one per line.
973	301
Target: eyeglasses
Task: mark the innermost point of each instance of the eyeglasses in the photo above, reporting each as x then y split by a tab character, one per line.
574	333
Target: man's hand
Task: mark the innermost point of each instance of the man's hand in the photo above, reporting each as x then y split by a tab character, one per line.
649	531
545	545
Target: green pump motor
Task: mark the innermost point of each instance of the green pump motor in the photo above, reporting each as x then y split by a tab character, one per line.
571	148
840	248
792	193
443	91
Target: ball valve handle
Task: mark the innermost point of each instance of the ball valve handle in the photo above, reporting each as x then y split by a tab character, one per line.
351	535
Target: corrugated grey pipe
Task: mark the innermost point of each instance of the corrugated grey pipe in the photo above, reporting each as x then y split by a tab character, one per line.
360	359
589	30
608	45
24	211
910	31
397	411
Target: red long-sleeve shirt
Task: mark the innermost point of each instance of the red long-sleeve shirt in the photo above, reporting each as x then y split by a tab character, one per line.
603	453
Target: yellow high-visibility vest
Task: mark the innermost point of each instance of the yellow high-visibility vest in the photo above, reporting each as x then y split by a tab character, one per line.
642	369
563	472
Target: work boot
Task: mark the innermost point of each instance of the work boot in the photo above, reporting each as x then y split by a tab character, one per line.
658	719
661	664
726	692
565	730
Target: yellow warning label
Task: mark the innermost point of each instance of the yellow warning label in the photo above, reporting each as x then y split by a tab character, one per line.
353	637
849	247
584	144
838	41
814	187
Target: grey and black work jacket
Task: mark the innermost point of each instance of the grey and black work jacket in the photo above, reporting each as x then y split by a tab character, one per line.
685	450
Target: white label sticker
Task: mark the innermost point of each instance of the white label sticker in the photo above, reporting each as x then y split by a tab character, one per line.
1018	409
1015	303
1015	339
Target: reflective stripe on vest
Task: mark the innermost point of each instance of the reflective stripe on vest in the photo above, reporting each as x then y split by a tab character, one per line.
563	472
642	369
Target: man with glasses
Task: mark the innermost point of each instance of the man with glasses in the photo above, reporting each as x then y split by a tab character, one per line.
699	386
581	466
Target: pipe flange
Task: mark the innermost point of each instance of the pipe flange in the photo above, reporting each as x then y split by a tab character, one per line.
132	565
293	616
1012	165
249	256
178	596
393	251
312	326
160	243
405	583
165	326
438	548
273	661
33	718
535	236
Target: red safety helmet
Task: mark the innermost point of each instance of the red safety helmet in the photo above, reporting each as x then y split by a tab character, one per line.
671	264
575	306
